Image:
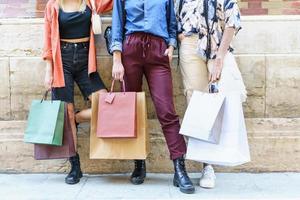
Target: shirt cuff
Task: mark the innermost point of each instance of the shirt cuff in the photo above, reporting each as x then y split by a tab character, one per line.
173	42
116	46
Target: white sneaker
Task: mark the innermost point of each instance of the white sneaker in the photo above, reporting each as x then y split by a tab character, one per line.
208	179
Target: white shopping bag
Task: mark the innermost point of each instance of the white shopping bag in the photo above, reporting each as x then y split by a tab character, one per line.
233	148
203	117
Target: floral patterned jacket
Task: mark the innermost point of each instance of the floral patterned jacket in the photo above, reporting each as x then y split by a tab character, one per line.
191	20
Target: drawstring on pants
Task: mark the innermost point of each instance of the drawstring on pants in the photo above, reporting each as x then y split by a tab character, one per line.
146	44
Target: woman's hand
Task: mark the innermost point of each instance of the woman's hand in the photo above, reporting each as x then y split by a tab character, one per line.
118	69
215	75
181	37
48	76
169	52
222	51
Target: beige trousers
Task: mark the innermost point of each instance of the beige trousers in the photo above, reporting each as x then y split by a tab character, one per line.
195	71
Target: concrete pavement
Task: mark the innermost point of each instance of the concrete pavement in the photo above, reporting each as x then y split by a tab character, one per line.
157	186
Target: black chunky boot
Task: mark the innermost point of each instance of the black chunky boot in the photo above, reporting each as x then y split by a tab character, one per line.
139	174
181	178
76	123
75	173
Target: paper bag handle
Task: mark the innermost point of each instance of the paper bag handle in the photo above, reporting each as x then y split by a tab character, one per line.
44	98
113	84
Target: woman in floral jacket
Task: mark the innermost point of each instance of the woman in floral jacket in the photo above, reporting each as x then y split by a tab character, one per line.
206	29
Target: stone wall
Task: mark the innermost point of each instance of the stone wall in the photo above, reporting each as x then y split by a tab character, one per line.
268	57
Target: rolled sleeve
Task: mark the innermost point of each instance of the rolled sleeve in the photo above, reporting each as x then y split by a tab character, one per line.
116	46
173	42
232	15
117	26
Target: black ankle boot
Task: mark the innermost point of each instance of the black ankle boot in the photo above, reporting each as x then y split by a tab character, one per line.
76	123
139	174
181	179
75	173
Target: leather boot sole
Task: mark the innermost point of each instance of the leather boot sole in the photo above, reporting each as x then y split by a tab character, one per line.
190	190
135	181
71	182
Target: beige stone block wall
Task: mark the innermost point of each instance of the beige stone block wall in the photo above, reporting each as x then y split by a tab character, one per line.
4	89
253	71
259	38
25	88
268	57
22	37
269	35
274	145
26	77
283	86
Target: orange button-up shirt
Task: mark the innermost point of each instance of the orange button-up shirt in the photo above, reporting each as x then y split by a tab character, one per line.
52	40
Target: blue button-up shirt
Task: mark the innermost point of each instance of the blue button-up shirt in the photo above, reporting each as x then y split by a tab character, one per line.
156	17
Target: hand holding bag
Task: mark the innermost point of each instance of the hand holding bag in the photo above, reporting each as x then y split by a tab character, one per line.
117	118
45	122
203	117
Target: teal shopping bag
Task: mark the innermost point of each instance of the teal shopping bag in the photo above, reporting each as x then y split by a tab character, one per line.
45	122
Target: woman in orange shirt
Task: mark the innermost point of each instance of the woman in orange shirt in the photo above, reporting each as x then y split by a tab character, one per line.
69	50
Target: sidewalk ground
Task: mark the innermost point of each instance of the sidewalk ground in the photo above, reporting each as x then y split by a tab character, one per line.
157	186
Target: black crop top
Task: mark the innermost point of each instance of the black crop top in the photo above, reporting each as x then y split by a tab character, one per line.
74	25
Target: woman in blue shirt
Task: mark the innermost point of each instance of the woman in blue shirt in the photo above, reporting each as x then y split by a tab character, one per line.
143	40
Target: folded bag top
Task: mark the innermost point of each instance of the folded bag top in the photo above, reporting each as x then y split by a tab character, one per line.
204	115
117	114
45	122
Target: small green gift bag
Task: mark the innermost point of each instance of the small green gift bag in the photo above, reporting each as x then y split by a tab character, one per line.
45	122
